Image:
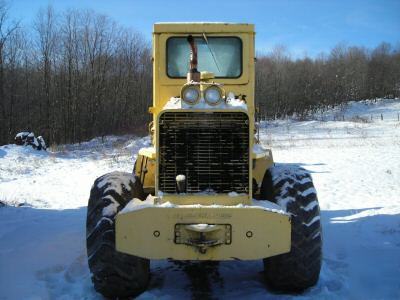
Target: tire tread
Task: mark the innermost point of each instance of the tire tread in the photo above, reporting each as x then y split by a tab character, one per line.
114	274
299	269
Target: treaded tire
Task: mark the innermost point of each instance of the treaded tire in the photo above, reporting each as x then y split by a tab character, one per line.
293	189
114	274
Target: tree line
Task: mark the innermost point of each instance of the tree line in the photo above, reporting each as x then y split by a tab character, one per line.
72	76
75	75
287	87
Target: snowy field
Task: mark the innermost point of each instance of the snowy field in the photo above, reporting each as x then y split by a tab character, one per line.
355	165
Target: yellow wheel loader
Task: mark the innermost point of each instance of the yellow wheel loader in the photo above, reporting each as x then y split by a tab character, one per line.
206	189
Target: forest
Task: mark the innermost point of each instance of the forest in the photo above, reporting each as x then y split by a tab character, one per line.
74	75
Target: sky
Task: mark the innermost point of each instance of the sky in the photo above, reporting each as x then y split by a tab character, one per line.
303	27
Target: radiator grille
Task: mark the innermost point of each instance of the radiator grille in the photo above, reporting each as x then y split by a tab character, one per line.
210	148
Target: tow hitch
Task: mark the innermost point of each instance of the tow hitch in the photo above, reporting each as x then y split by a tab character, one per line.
203	236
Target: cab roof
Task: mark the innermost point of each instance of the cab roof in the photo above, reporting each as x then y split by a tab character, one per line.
207	27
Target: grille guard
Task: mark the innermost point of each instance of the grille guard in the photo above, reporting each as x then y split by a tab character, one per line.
210	147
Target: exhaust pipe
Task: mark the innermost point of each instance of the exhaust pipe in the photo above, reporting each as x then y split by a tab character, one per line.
193	74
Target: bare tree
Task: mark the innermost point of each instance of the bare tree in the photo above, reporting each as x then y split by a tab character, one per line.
285	86
77	75
45	26
7	28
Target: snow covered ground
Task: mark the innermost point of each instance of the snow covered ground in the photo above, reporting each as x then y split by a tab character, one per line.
356	170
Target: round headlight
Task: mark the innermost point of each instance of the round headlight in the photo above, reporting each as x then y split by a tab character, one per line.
190	94
213	95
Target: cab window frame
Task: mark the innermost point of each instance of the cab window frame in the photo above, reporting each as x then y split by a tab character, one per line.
208	37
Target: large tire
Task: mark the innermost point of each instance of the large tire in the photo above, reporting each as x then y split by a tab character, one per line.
292	188
114	274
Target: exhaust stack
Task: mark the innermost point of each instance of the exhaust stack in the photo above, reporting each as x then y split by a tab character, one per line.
193	74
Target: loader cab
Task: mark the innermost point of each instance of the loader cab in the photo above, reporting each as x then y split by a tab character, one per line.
225	56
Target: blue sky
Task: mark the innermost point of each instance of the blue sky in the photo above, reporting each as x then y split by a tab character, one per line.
304	27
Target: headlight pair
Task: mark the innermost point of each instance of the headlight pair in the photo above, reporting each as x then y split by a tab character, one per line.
191	93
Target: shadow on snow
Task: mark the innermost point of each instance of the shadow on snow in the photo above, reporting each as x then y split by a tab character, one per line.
43	254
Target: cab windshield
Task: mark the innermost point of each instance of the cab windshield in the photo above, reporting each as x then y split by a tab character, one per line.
219	55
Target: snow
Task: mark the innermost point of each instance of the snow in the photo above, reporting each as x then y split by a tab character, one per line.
180	178
148	149
111	209
115	179
356	171
23	133
230	103
389	108
310	206
268	206
258	149
62	178
137	204
308	192
202	227
207	192
42	142
315	219
104	219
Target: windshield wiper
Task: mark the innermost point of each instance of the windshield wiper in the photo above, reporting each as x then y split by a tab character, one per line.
212	53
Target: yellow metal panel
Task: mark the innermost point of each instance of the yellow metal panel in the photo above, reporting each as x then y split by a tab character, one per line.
145	171
164	87
260	166
221	199
256	233
203	27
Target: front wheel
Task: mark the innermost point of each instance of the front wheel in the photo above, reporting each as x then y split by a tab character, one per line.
114	274
293	189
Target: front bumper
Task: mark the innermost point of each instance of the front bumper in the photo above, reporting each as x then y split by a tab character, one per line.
195	232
